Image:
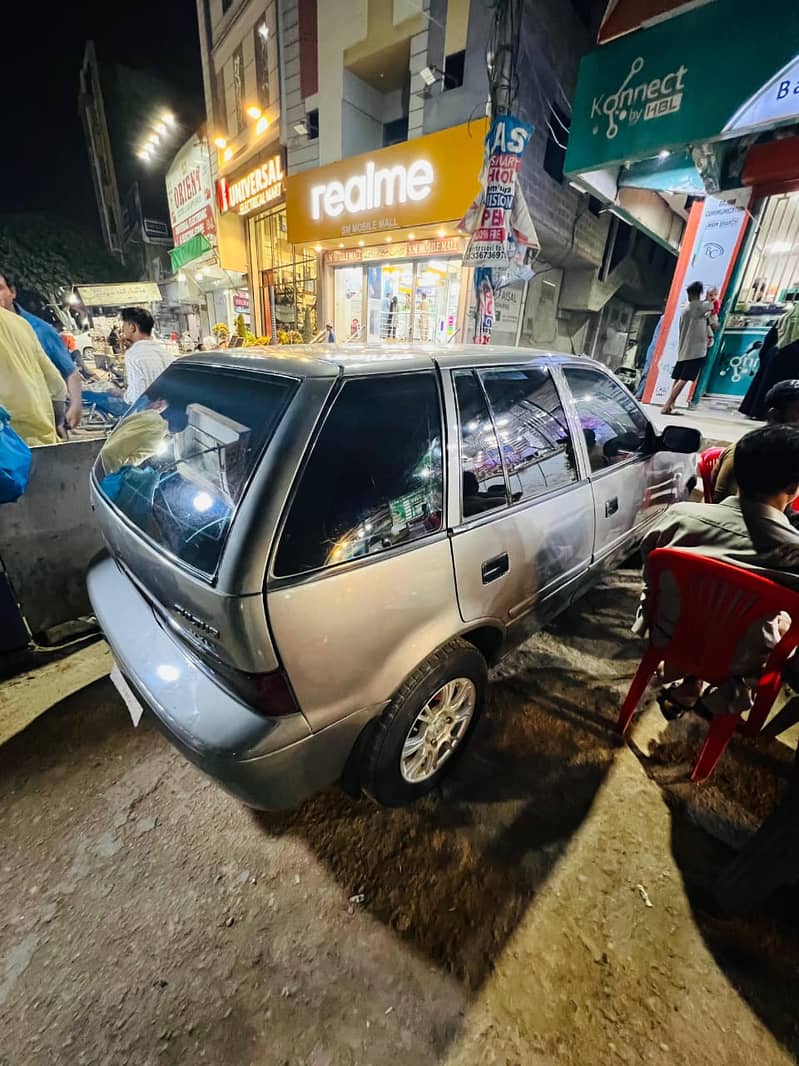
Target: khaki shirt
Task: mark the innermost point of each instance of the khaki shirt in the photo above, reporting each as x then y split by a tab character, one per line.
28	381
742	533
694	329
723	481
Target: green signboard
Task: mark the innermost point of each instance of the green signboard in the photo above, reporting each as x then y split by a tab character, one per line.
720	70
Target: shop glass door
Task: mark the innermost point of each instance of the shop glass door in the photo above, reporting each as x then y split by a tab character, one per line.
390	287
348	302
437	293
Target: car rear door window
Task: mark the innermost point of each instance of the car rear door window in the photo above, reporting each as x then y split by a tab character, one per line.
614	427
374	479
532	429
482	477
178	463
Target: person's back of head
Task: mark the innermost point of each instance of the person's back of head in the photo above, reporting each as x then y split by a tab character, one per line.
695	290
767	465
138	322
782	402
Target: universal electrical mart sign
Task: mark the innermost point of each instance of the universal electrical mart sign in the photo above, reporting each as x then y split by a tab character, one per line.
426	180
719	70
260	187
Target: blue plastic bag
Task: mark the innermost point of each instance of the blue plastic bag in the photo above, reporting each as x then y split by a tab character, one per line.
15	461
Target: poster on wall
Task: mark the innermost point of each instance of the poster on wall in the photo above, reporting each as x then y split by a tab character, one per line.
709	250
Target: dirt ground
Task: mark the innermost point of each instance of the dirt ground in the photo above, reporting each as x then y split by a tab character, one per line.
550	907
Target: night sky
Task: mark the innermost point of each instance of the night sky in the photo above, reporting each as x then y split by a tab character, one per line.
43	164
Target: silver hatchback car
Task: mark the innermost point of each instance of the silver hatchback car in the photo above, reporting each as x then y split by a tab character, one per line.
314	557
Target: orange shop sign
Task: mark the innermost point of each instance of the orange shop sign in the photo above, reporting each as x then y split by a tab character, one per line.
260	187
427	180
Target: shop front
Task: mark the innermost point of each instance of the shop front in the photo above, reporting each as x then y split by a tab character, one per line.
384	226
283	278
697	144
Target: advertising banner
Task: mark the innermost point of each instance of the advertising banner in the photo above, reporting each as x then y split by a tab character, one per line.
498	219
709	249
190	192
718	70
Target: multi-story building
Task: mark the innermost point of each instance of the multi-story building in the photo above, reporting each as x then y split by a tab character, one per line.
344	207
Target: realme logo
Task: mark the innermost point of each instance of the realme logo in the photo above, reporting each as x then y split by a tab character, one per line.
374	188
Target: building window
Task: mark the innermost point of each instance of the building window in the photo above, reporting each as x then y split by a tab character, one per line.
557	142
453	70
261	40
288	280
395	132
312	121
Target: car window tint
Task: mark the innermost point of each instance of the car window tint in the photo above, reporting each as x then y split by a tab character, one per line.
180	460
613	426
532	428
482	476
374	478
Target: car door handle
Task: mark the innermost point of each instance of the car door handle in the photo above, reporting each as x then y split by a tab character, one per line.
494	568
611	506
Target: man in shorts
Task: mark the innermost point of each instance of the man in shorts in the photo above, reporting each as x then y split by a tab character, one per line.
697	324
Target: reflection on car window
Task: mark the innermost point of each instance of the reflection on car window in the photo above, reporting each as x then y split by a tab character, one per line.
532	429
613	426
178	463
483	480
374	478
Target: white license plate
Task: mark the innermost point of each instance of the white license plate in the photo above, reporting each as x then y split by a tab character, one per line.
135	709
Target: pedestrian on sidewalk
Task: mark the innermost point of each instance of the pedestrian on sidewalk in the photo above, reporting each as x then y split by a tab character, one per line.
67	414
29	383
145	359
782	362
695	336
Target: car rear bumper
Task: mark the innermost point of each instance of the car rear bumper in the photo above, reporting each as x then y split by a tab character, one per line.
269	763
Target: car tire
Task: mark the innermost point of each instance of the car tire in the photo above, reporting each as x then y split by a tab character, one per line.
410	749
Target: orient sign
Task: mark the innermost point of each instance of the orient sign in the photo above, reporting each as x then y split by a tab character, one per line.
259	188
426	180
190	193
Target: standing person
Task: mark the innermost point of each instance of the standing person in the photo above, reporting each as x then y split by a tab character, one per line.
144	359
68	414
29	383
331	333
113	340
784	360
694	335
650	354
424	316
393	309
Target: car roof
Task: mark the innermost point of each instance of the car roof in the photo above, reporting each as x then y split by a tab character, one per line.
334	360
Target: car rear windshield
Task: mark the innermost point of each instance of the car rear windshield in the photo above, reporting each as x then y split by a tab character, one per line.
179	462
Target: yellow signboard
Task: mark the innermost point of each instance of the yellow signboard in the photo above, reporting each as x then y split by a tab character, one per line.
426	180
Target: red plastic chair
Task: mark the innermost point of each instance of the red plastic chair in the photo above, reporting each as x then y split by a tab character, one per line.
718	603
708	461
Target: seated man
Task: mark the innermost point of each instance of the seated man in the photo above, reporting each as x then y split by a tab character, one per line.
782	406
750	531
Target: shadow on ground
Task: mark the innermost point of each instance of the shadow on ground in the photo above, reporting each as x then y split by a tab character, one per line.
759	952
453	874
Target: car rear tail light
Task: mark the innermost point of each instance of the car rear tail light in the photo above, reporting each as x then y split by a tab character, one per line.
269	694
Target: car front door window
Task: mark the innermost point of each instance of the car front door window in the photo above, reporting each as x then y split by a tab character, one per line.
613	426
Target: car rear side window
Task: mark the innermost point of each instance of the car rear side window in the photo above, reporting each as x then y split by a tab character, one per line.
374	479
482	477
532	428
178	463
614	427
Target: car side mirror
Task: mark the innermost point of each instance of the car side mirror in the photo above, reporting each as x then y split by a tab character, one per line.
680	439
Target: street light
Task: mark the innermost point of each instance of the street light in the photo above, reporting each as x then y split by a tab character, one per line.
254	111
220	142
263	31
262	125
168	118
160	128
